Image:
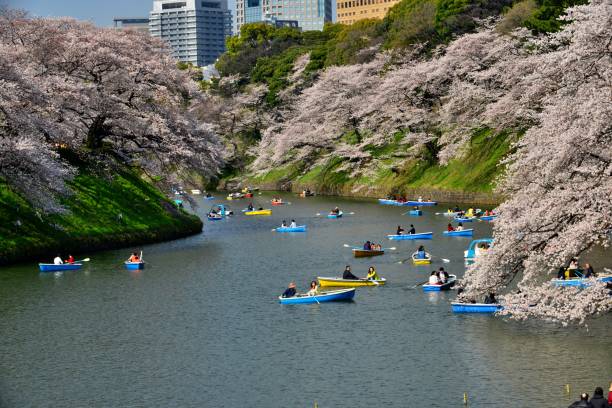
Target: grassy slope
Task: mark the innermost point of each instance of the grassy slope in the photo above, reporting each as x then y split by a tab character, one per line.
92	221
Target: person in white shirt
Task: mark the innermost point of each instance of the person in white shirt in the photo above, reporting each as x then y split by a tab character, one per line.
313	288
293	224
284	224
433	278
459	227
58	260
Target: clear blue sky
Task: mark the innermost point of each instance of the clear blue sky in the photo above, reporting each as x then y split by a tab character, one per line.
101	12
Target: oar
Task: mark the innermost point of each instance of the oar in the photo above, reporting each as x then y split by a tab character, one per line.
419	284
140	256
83	260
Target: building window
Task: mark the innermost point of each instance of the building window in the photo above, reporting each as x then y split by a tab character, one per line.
168	6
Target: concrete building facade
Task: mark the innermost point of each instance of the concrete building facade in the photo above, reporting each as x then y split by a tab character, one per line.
309	14
350	11
131	23
195	29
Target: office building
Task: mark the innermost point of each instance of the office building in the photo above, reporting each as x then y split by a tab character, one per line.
349	11
131	23
309	14
195	30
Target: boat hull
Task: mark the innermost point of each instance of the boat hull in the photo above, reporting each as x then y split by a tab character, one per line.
214	218
57	268
365	253
488	217
421	203
452	279
464	219
332	296
580	282
421	261
423	235
277	203
134	266
258	212
334	216
299	228
464	233
415	212
475	307
348	283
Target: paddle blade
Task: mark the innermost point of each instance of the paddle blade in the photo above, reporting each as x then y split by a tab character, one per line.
346	245
445	260
85	260
317	214
392	249
351	213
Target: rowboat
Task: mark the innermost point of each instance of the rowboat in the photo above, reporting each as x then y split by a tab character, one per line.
476	248
214	217
248	195
133	266
421	203
330	296
440	286
61	267
457	307
422	235
462	233
299	228
235	196
258	212
306	194
421	261
332	215
488	217
449	214
581	282
278	203
364	253
334	282
415	212
465	219
386	201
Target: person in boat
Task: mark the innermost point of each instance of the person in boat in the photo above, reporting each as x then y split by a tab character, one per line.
490	299
415	208
561	273
335	211
583	402
412	230
588	271
314	288
134	258
250	207
442	275
450	228
367	246
572	269
399	231
420	200
459	227
421	254
457	209
70	259
598	400
58	260
293	224
347	274
208	195
260	209
372	275
290	291
284	224
433	278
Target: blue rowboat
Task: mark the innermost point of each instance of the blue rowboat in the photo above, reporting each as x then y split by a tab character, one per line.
386	201
339	215
465	219
415	212
488	217
217	217
476	248
331	296
299	228
437	288
209	198
422	235
475	307
62	267
462	233
580	282
133	266
421	203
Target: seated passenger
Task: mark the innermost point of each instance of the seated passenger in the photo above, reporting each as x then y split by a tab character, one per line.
347	274
70	259
58	260
293	224
313	288
284	224
290	291
588	271
399	231
134	258
421	253
412	230
433	279
490	299
367	246
459	227
372	275
250	207
442	275
450	228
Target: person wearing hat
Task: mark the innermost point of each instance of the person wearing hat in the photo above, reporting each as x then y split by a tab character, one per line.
583	403
290	291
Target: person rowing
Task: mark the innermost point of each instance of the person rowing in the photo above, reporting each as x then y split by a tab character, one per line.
70	259
450	228
284	224
399	231
367	246
372	275
348	275
433	278
335	211
412	230
459	227
134	258
442	275
290	291
421	254
250	207
58	260
293	224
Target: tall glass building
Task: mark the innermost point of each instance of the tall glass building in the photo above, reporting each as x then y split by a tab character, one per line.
194	29
309	14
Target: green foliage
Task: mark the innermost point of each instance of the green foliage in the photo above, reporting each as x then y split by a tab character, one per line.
92	219
347	46
545	18
516	16
353	137
273	71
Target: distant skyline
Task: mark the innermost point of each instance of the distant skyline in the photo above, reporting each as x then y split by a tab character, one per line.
99	12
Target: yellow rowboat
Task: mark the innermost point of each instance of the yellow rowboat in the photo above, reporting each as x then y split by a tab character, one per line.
421	261
349	283
258	212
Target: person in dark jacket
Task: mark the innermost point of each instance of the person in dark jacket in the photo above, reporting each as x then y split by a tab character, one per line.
367	246
598	400
290	291
490	299
347	274
412	230
589	273
583	403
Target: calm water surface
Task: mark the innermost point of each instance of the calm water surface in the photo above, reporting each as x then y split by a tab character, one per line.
201	326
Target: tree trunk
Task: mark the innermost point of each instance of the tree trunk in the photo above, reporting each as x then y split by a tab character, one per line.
96	133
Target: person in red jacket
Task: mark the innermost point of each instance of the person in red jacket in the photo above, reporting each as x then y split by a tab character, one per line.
610	395
70	259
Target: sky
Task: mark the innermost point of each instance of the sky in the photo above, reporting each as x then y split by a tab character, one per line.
100	12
